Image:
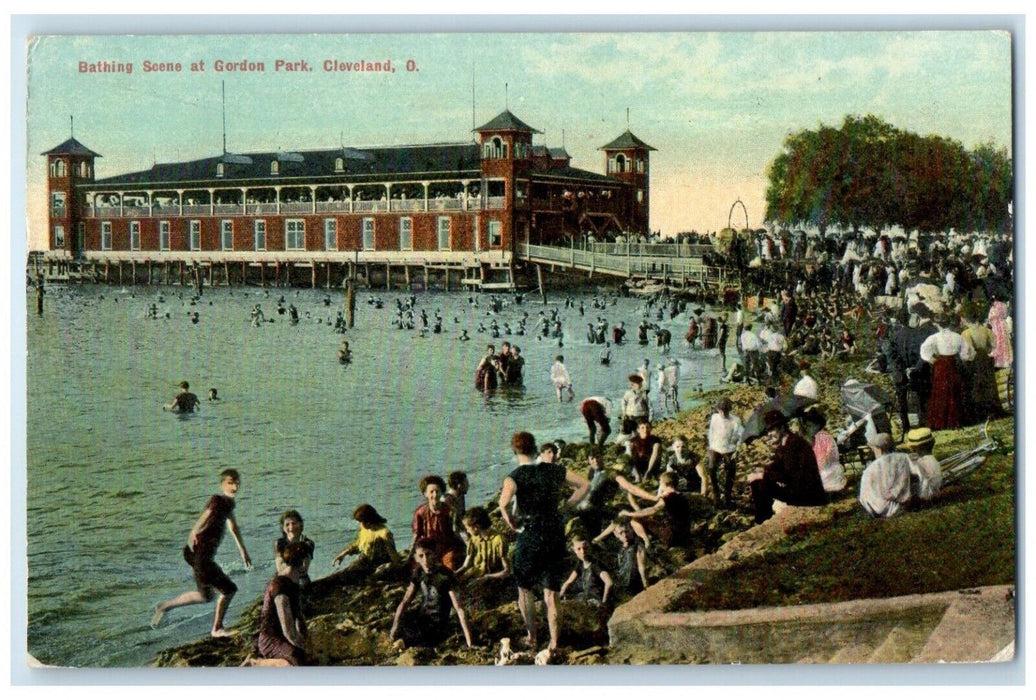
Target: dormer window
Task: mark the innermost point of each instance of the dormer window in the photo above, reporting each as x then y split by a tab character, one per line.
275	168
339	165
219	169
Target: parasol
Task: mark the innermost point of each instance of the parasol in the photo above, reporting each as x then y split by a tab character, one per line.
790	406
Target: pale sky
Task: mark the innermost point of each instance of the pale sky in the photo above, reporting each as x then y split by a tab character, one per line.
717	106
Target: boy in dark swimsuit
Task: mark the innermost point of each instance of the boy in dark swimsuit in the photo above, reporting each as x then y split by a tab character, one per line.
200	553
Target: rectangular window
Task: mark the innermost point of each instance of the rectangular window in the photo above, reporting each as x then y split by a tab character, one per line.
163	235
295	234
106	235
640	196
406	233
80	236
226	234
134	235
260	234
368	234
330	234
444	232
495	236
59	236
195	234
57	204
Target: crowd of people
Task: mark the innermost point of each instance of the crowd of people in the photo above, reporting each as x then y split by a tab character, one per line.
556	528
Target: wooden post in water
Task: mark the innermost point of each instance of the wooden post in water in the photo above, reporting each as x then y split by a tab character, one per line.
313	274
262	274
388	275
539	283
446	282
350	301
39	293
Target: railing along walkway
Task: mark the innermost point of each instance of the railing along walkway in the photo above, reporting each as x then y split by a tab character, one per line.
634	260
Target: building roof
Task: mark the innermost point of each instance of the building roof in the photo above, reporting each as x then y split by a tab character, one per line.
375	163
505	121
71	147
555	152
627	140
570	173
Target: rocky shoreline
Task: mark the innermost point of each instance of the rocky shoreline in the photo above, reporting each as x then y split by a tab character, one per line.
349	623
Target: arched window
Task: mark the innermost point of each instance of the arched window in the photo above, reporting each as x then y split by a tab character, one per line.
620	163
275	167
219	169
84	169
58	168
339	165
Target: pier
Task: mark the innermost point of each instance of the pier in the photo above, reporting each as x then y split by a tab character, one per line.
645	266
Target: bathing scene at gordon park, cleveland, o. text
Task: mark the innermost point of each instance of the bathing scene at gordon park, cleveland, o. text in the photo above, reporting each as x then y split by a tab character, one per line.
520	349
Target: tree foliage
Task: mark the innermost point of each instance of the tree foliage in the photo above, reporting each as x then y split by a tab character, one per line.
870	174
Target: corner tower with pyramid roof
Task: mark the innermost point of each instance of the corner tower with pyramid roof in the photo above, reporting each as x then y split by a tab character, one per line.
627	159
507	157
68	164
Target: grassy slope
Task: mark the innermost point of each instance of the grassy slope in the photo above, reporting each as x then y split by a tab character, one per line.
965	538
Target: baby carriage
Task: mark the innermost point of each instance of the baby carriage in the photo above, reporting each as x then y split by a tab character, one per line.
867	407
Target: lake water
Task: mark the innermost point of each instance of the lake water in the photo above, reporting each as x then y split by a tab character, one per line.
115	484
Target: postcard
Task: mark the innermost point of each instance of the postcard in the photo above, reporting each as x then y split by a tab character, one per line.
684	349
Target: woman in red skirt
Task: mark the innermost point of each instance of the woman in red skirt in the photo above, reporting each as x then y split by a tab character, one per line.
943	350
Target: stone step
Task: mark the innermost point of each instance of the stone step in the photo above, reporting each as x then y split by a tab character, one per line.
852	653
977	625
901	645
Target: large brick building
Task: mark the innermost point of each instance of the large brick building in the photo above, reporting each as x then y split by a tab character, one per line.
463	198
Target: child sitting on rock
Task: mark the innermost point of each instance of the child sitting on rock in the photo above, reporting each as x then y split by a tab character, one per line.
630	573
486	553
428	624
291	525
593	581
374	545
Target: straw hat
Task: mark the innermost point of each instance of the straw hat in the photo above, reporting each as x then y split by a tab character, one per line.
919	437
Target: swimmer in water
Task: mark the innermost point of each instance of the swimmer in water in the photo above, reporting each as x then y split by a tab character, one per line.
464	335
213	394
345	355
184	401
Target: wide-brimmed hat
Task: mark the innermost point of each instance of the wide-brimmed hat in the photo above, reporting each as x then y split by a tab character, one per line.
919	437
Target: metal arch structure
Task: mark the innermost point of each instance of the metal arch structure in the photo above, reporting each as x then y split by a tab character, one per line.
730	216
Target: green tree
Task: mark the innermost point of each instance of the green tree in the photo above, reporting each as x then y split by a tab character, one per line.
870	174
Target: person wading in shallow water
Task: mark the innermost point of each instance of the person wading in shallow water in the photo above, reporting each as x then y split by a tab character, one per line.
200	553
184	401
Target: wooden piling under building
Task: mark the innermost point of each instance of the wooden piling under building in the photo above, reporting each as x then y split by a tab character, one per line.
388	275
